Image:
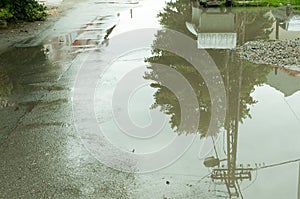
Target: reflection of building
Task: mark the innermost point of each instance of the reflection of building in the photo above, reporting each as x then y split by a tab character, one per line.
285	80
293	23
287	23
287	19
214	28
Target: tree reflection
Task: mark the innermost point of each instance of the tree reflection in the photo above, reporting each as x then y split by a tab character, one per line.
240	77
6	84
253	24
167	101
20	67
175	14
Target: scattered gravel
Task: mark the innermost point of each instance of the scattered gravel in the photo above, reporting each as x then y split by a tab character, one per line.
285	53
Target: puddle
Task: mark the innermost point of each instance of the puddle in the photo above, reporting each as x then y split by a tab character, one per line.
256	150
49	124
287	25
255	143
26	76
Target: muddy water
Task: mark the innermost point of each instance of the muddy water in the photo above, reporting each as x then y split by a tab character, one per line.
262	109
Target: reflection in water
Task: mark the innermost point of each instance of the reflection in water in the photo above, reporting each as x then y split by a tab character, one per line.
240	77
6	84
293	23
233	70
6	87
285	80
213	27
15	71
224	28
88	37
287	19
287	24
23	82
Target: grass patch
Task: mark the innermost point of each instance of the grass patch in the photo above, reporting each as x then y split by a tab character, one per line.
263	3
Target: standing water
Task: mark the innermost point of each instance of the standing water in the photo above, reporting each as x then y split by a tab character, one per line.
162	113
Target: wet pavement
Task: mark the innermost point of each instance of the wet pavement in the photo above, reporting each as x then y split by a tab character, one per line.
47	152
41	154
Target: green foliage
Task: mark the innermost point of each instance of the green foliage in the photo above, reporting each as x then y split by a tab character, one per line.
27	10
297	7
5	13
263	3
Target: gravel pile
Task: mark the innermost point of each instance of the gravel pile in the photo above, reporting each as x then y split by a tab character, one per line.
285	53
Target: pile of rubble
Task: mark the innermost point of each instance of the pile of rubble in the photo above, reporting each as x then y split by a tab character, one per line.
285	53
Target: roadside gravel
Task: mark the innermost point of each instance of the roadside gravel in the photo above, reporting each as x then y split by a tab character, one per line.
281	53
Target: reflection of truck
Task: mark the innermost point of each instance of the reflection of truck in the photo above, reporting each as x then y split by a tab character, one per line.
213	27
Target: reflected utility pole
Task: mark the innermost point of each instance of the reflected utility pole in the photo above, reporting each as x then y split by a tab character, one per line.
231	174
